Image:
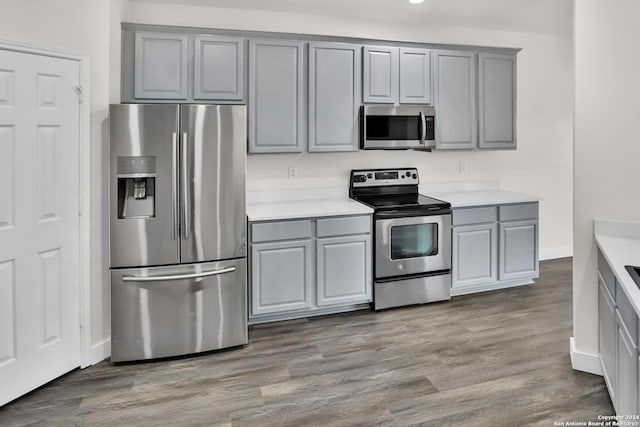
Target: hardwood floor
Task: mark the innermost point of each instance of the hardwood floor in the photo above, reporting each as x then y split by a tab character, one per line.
493	359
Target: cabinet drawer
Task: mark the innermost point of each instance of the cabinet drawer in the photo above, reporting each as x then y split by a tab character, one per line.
269	231
344	225
518	212
474	215
627	314
607	274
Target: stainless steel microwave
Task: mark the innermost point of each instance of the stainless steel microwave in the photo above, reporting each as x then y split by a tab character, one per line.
397	127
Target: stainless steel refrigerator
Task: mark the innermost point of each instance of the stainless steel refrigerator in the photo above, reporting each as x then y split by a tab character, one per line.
178	267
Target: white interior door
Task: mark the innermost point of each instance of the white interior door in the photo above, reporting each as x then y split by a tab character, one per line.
39	224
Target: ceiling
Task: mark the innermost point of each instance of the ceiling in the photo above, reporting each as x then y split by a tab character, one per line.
538	16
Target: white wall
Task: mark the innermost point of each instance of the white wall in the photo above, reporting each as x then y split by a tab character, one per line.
541	165
607	141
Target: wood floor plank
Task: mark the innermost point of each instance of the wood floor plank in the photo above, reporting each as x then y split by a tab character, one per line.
492	359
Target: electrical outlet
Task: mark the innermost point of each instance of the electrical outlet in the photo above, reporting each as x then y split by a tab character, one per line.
293	172
462	166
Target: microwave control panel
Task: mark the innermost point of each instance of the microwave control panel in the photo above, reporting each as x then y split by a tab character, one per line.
382	177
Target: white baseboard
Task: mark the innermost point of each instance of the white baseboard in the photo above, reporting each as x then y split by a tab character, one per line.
585	362
557	252
99	351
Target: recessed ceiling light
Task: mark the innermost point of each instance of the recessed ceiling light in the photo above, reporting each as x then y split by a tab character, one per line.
416	1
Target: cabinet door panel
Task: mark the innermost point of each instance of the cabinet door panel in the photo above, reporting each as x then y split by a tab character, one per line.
281	277
415	76
497	100
380	79
334	96
160	66
627	371
518	249
344	270
455	99
474	254
276	96
218	68
607	333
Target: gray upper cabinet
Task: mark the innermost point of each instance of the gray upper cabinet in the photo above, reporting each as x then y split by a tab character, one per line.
334	96
218	68
455	99
160	65
497	100
276	96
380	79
415	76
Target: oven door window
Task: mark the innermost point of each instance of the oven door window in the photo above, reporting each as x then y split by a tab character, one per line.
414	241
391	128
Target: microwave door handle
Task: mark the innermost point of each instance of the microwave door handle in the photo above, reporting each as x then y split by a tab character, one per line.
423	121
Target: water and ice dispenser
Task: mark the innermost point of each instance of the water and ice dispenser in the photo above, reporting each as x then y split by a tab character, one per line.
136	187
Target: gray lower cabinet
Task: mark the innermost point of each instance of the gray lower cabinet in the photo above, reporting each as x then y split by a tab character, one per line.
497	101
276	96
394	75
475	249
380	74
462	125
218	68
160	65
518	249
343	270
169	66
309	267
281	276
618	342
455	99
334	96
607	331
494	246
627	370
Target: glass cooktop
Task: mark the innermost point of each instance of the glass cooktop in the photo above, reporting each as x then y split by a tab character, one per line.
400	201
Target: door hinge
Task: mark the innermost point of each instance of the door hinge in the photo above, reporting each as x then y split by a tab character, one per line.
78	91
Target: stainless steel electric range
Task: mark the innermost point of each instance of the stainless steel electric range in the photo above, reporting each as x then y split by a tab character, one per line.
412	234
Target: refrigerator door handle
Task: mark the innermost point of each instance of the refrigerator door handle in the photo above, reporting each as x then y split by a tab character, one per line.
174	186
185	187
177	277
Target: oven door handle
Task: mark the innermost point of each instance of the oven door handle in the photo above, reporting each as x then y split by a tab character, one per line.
405	213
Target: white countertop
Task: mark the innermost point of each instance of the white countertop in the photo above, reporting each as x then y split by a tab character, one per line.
620	244
460	199
474	193
311	203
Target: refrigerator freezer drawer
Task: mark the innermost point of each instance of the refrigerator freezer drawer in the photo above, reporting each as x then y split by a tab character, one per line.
177	310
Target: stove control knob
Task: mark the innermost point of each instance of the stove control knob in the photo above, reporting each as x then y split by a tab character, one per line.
359	178
369	175
414	176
